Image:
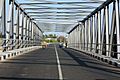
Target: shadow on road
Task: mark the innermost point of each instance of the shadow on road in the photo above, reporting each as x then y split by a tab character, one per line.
82	60
18	78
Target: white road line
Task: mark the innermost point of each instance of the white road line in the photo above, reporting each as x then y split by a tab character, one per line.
59	66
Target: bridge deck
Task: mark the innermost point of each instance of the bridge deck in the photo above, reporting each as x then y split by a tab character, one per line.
42	64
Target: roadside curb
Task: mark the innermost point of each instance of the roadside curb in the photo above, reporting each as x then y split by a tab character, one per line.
13	53
109	60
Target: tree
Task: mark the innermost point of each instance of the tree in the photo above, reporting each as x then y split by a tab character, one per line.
50	36
61	39
54	36
0	35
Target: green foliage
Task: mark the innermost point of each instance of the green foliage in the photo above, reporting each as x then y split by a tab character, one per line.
46	41
50	41
50	36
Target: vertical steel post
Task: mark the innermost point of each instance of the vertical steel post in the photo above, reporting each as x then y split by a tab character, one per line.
118	26
89	35
96	32
12	25
103	35
9	24
3	22
20	29
112	29
99	32
84	35
93	46
107	30
28	24
32	34
17	28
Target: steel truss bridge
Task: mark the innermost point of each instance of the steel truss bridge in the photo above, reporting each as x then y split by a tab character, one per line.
93	43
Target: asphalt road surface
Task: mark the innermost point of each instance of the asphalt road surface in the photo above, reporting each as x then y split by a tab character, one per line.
54	63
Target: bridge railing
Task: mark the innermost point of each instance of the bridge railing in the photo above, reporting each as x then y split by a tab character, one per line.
17	29
96	50
99	32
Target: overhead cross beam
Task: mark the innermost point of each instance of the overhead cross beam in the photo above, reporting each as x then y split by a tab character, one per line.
59	12
55	18
37	8
59	15
91	2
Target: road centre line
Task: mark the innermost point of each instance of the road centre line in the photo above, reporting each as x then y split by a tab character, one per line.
59	66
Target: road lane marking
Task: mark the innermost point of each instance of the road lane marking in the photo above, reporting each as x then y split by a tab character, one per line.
59	66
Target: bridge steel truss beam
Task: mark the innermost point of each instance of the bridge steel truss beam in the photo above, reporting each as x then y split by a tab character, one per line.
17	28
99	32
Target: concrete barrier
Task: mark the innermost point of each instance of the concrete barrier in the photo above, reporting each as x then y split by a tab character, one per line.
109	60
16	52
